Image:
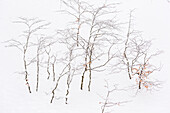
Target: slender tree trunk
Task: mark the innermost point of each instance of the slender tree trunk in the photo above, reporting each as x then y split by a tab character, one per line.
85	69
140	84
48	67
37	71
26	73
78	35
53	65
89	80
82	79
126	46
90	71
140	78
53	91
68	87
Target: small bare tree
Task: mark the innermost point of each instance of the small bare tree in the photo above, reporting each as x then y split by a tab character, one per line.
48	48
40	51
71	72
107	100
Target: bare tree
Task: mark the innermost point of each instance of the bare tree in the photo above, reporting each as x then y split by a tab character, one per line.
101	35
137	56
66	60
67	70
40	50
126	45
48	47
57	83
32	27
71	72
107	100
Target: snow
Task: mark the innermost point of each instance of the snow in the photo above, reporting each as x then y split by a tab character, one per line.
152	17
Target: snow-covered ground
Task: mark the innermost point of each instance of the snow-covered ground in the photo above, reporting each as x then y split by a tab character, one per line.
151	16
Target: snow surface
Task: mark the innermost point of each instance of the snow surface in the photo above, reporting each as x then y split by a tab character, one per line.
152	17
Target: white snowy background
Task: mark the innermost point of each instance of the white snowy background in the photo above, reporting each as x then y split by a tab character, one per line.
151	16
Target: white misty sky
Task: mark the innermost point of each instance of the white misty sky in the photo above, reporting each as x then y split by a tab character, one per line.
151	16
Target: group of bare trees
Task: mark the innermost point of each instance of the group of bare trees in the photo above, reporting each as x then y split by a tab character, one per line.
32	26
91	41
